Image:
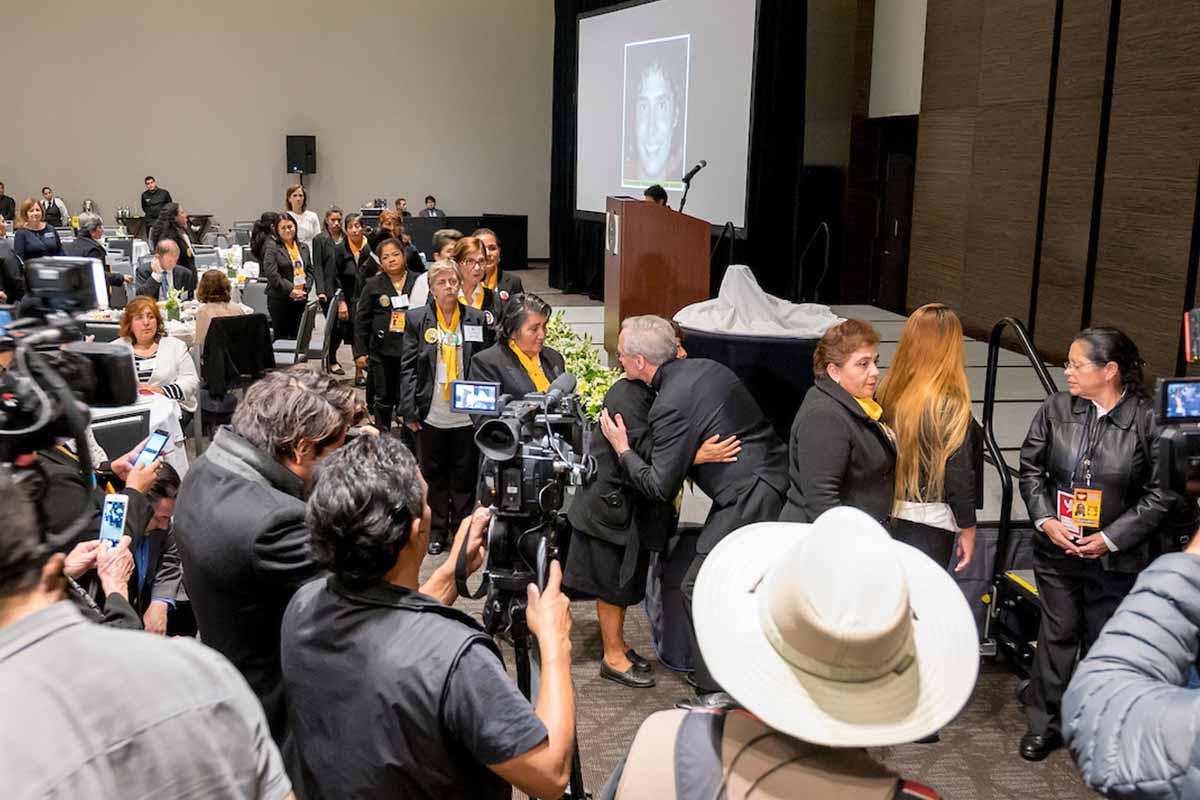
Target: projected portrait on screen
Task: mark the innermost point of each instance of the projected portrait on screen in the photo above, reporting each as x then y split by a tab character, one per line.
654	138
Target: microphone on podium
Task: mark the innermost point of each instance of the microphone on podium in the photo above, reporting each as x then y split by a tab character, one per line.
691	173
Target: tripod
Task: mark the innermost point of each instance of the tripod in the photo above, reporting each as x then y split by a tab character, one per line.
507	602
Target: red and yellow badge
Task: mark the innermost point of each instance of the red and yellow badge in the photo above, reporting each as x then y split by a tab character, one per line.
1085	510
397	323
503	295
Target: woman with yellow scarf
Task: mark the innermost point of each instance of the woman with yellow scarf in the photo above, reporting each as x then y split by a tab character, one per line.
519	361
441	339
288	269
379	324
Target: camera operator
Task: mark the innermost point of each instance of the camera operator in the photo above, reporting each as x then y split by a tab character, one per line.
80	720
416	691
697	399
1129	716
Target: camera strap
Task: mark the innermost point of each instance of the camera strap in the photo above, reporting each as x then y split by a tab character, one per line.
460	577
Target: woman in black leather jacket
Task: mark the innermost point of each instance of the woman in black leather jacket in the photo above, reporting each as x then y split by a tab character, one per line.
1097	437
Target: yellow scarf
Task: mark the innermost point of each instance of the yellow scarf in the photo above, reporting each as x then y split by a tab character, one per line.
533	366
873	409
355	250
490	280
297	265
449	351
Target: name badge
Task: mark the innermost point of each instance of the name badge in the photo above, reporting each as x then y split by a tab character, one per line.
1066	511
399	301
298	279
1085	508
473	333
397	323
441	371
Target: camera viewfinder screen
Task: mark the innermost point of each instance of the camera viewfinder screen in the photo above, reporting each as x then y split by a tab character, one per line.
474	398
1182	400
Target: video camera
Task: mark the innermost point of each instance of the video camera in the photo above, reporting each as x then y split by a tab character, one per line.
535	455
37	405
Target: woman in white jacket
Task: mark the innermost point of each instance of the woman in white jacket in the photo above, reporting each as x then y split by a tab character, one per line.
308	224
163	364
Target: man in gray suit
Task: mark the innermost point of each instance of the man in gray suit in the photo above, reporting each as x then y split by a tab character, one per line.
431	209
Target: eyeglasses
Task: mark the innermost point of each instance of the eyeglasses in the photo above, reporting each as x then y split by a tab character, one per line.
1071	366
475	262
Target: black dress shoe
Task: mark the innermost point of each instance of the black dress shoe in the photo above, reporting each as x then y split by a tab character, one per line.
630	677
640	664
1035	747
710	701
436	548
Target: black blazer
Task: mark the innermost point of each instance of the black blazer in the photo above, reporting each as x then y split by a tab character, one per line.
491	307
838	457
610	508
373	317
498	364
182	279
324	258
509	285
276	267
1133	506
698	398
351	272
87	247
418	363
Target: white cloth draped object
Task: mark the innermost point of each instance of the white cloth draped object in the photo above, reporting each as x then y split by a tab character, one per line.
742	307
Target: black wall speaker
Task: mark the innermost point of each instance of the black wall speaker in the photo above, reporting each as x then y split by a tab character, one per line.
302	154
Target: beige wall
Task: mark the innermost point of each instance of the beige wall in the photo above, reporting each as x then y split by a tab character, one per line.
450	98
897	57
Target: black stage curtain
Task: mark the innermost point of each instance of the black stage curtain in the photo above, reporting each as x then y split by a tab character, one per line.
777	222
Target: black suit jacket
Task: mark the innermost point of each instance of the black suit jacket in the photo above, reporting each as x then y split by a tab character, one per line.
697	399
418	363
12	273
324	259
498	364
610	507
350	272
182	278
839	457
8	208
87	247
276	267
373	317
509	285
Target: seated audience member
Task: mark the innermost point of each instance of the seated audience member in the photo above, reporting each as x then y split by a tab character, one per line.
172	225
519	360
614	529
353	260
505	286
295	205
655	194
443	250
445	719
813	658
1130	711
431	209
164	272
154	198
401	207
98	708
215	295
164	365
87	245
12	271
471	257
696	400
155	583
262	233
1098	435
939	466
440	340
288	269
8	205
35	238
239	520
55	209
841	451
379	327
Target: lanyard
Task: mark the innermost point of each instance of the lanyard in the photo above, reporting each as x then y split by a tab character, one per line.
1091	438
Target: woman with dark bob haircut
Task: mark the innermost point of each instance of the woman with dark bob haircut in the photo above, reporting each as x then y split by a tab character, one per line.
840	451
1087	478
519	360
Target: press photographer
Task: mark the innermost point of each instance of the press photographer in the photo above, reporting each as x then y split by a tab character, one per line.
430	711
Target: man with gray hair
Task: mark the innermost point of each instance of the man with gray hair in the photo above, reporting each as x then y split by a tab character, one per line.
697	399
164	272
87	245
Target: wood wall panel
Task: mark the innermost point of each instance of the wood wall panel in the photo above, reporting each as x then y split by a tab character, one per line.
1072	175
940	197
1150	181
950	79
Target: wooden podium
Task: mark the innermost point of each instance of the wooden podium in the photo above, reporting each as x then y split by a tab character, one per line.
656	261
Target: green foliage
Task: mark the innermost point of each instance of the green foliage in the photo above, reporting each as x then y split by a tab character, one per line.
172	305
583	361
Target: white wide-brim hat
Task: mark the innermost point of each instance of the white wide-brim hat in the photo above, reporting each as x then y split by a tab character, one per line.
835	633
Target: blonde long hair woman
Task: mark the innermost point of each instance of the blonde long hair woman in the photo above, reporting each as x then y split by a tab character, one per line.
927	404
